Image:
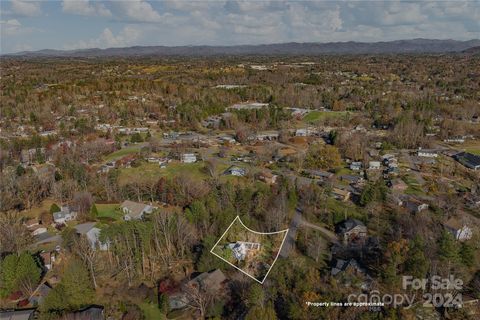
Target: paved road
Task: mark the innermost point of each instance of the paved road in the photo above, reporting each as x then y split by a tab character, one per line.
289	243
332	237
299	221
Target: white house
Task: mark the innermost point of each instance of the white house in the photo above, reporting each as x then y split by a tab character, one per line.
356	166
64	215
135	210
235	171
39	230
189	158
92	234
459	139
241	248
427	153
459	230
374	165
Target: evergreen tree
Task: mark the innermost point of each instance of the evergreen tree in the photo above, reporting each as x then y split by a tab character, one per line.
74	291
447	247
93	212
416	264
467	254
54	208
19	273
163	303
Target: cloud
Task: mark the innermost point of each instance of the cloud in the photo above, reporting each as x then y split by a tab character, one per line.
138	11
85	8
128	36
229	22
25	8
13	27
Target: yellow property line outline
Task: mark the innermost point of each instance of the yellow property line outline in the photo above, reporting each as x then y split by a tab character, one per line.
263	233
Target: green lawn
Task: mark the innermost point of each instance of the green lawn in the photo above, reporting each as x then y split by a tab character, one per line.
474	150
414	187
151	311
111	211
315	116
122	152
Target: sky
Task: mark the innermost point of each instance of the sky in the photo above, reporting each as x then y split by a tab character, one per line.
79	24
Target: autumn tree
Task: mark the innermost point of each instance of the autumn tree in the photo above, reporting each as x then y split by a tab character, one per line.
322	157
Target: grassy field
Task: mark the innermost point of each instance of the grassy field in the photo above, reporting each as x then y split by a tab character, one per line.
315	116
414	187
151	311
37	210
123	152
474	150
111	211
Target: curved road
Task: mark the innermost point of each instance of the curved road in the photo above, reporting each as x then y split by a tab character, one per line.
299	221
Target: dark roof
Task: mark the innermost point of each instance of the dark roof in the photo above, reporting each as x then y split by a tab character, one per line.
468	159
92	312
25	314
348	225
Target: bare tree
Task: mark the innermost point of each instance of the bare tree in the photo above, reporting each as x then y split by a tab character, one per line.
88	254
199	298
83	201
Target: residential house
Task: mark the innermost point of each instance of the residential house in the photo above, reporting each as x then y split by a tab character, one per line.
340	194
105	168
374	165
92	234
457	139
267	177
240	249
301	132
212	282
351	179
355	166
415	206
265	136
48	259
318	174
92	312
351	230
135	210
305	132
64	215
23	314
235	171
349	266
212	122
228	139
248	106
428	153
31	223
38	230
460	230
469	160
38	296
188	158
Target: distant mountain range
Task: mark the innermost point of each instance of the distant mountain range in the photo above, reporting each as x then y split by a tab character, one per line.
414	46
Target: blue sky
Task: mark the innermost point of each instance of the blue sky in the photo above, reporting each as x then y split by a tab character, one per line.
78	24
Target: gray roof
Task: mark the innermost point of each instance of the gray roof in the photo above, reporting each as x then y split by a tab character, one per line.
349	224
136	208
84	227
468	159
17	314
